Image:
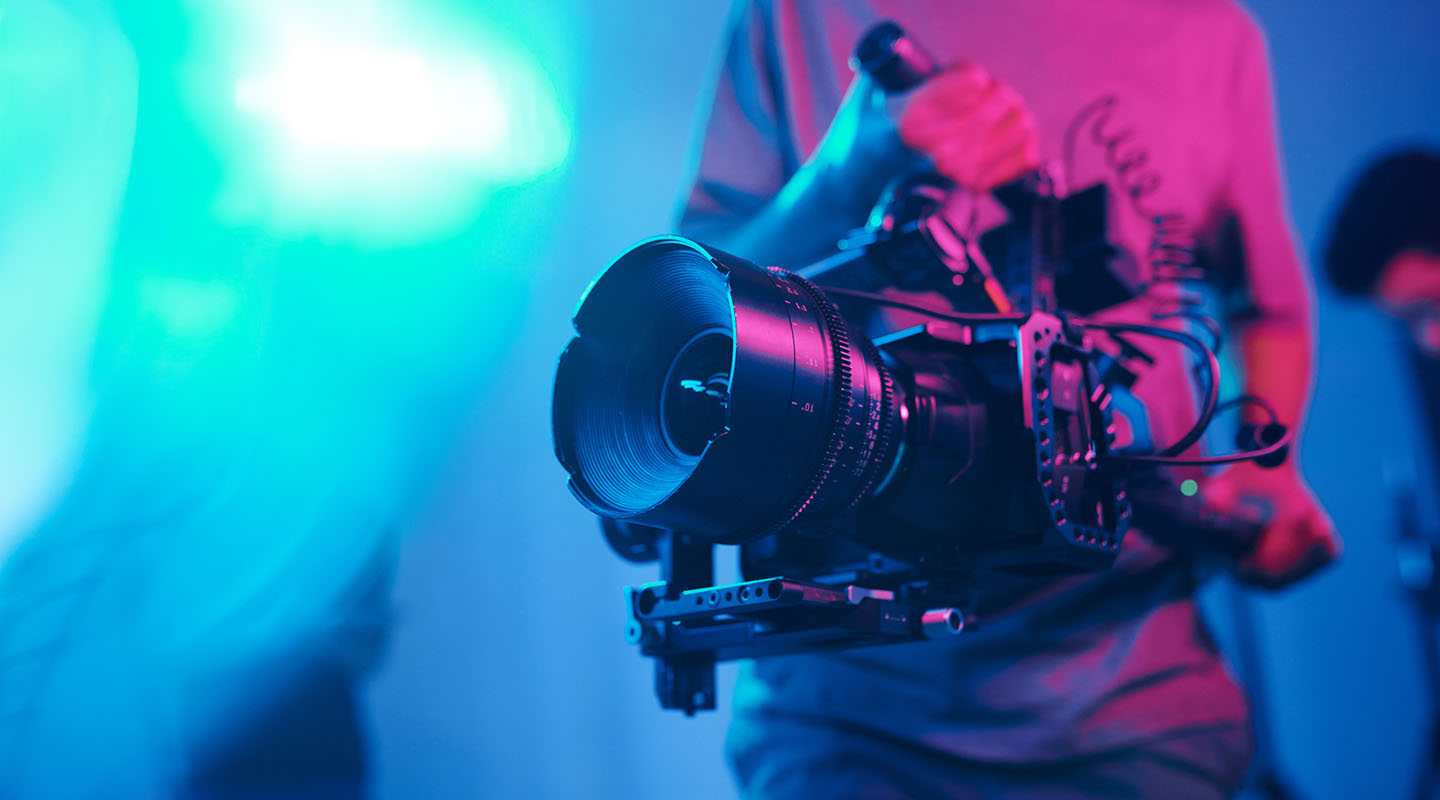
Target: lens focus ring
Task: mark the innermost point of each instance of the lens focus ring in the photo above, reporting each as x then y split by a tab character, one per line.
705	394
859	421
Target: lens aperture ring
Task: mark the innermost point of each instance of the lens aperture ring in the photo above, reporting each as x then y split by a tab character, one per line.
859	422
876	461
833	330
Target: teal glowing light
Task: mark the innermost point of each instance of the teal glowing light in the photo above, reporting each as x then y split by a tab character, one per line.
188	308
1189	487
377	128
251	280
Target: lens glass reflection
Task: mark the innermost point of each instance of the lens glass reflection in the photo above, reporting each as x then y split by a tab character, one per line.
696	392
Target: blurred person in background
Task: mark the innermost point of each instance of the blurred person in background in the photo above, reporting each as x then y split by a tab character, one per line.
1384	247
1102	685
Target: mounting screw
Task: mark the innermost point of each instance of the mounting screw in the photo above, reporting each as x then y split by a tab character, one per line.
940	622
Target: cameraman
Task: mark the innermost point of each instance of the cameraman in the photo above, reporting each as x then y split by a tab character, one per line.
1100	685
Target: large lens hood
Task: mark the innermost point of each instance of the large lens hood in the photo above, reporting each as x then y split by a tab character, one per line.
792	424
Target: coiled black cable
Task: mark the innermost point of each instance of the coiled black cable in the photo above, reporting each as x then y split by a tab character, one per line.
1172	256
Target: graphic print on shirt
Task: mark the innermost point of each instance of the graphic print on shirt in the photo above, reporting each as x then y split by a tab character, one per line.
1102	131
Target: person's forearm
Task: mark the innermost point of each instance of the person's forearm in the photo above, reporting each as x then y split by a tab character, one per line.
1278	362
797	227
830	195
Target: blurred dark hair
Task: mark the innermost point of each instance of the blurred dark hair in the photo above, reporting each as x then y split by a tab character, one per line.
1392	207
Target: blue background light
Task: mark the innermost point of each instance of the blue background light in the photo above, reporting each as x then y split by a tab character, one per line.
284	284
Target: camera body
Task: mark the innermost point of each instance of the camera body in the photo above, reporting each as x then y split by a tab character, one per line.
886	434
878	463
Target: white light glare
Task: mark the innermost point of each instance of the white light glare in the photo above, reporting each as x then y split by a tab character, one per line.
369	101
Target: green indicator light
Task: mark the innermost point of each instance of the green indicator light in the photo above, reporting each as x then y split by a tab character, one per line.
1189	487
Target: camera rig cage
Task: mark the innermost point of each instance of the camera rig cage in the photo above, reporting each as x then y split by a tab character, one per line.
879	456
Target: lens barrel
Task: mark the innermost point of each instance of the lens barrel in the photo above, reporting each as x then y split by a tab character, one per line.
705	394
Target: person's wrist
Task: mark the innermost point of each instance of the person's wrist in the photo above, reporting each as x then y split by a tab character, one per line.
842	196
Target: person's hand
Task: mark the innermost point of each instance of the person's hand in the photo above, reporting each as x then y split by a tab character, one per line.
969	127
978	130
1298	537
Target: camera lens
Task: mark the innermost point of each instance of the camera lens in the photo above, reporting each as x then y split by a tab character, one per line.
705	394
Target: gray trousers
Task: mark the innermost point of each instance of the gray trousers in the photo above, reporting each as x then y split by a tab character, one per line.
790	760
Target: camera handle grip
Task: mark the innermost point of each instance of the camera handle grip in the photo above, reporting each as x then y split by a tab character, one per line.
1185	524
893	60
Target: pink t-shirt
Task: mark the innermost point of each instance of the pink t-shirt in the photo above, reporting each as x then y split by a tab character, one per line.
1168	103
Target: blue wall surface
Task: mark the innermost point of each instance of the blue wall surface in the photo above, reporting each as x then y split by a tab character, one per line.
1349	699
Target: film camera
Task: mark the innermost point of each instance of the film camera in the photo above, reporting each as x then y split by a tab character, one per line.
884	433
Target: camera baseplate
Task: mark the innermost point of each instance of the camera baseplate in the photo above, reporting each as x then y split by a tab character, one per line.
688	631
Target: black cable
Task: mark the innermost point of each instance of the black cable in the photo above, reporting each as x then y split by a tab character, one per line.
1207	356
1217	335
1173	262
1228	458
1212	366
1250	400
882	300
1208	461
